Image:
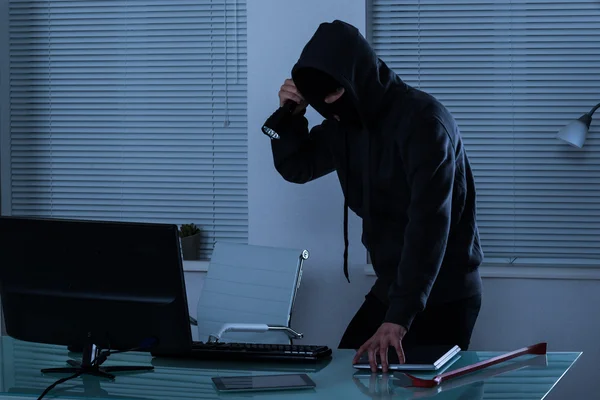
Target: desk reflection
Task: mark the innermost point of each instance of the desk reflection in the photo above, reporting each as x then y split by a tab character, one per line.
469	387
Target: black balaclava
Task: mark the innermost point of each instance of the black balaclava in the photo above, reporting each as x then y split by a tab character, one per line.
315	85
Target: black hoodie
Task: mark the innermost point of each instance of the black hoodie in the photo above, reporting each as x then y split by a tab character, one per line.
403	169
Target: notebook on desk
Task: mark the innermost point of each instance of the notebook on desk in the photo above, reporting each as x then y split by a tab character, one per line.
417	358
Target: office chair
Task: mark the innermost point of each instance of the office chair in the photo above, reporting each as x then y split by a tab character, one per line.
249	293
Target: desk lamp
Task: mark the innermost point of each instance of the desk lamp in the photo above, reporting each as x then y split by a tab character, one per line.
575	132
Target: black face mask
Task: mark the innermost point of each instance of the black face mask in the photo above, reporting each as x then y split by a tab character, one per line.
315	86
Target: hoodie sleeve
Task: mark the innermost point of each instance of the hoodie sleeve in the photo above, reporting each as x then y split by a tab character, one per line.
300	156
429	161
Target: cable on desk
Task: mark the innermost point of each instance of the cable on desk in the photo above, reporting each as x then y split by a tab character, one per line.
58	382
99	360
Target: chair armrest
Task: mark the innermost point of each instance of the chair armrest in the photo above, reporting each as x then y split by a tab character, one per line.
258	328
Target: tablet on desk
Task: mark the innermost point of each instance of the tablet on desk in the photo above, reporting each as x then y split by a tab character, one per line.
263	382
417	358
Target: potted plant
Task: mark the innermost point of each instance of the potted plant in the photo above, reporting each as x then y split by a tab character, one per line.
190	241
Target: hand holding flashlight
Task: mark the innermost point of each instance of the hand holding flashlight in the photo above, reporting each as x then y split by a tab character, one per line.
291	102
289	91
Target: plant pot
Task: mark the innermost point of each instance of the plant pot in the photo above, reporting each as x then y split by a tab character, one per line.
190	246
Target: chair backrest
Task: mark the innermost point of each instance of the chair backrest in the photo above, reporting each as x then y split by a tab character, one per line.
249	284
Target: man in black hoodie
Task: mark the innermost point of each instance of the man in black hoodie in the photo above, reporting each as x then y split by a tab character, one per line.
399	157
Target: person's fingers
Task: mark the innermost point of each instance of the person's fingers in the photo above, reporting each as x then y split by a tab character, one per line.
285	96
290	87
399	352
289	92
362	350
294	96
383	357
372	359
359	353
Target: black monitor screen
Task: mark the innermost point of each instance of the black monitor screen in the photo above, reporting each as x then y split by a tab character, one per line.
64	280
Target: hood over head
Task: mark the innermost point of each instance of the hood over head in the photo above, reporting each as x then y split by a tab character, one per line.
337	56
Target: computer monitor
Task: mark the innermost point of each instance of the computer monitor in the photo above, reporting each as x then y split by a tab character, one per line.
93	284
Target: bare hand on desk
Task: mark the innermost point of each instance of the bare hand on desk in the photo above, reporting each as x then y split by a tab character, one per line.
388	335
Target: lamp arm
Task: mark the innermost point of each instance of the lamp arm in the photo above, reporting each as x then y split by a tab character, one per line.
594	109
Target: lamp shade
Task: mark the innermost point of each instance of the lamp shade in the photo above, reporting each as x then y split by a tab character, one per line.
574	133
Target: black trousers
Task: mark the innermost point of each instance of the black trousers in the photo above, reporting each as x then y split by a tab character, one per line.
439	324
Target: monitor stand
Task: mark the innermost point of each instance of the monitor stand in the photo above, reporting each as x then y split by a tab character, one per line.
87	366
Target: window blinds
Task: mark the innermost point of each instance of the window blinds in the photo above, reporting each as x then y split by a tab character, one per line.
130	110
513	73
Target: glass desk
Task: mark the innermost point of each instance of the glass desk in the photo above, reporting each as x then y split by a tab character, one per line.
527	377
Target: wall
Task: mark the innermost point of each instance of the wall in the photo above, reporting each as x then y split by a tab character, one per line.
306	216
564	313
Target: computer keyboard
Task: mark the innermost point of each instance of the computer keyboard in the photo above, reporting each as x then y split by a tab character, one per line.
259	352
